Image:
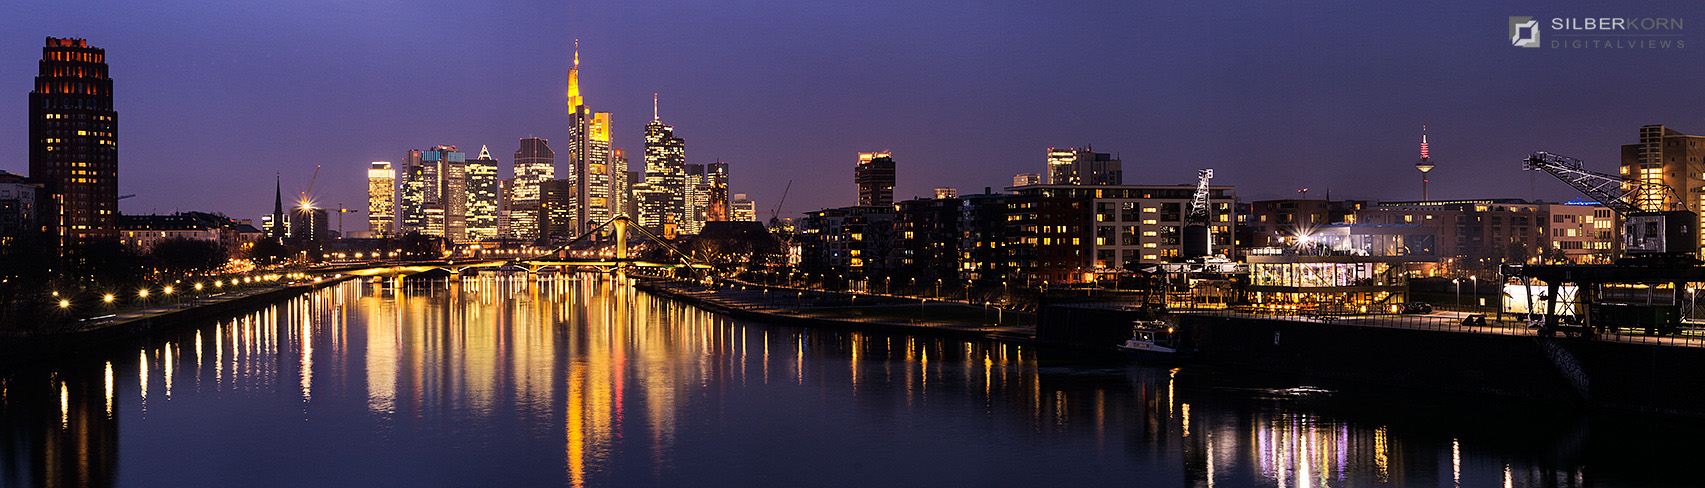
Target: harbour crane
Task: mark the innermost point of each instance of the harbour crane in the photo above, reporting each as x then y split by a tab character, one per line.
1655	223
1197	240
1659	236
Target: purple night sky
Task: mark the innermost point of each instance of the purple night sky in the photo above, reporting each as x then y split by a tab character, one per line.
216	97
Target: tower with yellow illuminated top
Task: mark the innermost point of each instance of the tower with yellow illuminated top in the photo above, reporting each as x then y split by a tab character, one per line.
590	163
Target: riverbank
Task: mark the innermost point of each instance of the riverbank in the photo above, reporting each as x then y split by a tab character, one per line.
94	334
875	313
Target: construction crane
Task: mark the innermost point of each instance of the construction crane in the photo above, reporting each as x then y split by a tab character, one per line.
340	212
304	201
1647	232
1197	240
775	215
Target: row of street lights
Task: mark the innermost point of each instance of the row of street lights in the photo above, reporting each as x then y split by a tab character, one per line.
170	291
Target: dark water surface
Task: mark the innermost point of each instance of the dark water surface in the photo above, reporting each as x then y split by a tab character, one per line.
582	381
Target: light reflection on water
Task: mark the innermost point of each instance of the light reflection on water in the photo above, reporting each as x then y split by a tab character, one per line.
580	380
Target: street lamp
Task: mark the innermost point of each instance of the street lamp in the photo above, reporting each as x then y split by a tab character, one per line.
1476	281
1458	283
938	287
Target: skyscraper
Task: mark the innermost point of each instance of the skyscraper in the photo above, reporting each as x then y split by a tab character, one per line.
535	164
434	198
875	177
74	142
695	198
411	195
590	162
381	199
623	185
1072	166
556	206
664	199
482	196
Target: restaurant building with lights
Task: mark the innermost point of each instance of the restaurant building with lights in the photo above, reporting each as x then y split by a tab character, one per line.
1340	269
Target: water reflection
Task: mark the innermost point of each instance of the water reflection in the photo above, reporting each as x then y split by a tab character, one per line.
580	380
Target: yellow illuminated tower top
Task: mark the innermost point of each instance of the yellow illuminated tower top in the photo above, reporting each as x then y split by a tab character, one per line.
574	79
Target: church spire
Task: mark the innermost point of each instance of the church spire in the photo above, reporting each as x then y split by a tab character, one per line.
277	229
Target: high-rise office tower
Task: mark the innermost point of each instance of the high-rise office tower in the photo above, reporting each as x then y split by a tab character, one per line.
664	200
381	199
636	191
1074	166
716	192
535	164
623	186
505	197
590	164
482	196
1027	179
411	195
434	198
743	209
1667	156
74	142
875	178
556	205
696	198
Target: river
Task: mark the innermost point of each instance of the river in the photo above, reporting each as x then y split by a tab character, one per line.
582	381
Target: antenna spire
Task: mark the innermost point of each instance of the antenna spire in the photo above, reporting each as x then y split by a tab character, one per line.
1424	142
654	106
577	53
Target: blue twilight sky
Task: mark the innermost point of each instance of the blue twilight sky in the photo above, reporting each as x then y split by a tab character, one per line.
215	97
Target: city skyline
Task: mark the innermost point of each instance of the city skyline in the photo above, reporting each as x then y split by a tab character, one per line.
225	87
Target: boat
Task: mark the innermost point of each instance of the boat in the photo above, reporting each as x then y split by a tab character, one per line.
1154	341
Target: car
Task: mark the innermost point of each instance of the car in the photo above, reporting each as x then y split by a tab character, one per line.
1418	307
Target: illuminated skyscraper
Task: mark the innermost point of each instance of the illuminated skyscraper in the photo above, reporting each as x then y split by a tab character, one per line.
664	200
875	178
695	199
74	142
590	162
1074	166
482	196
381	199
535	164
434	198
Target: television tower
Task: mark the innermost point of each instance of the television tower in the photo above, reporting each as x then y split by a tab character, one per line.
1425	164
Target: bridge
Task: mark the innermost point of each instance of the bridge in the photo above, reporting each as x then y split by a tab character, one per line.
604	255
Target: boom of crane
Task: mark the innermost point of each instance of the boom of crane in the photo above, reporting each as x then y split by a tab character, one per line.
1654	222
1197	241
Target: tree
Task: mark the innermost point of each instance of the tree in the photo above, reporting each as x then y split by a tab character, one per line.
184	255
267	252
